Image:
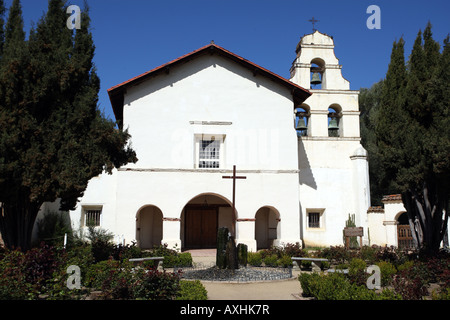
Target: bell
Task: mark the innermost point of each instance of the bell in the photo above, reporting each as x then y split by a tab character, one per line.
333	125
301	124
315	79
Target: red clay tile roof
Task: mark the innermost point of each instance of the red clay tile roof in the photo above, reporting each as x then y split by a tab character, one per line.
116	93
375	209
392	197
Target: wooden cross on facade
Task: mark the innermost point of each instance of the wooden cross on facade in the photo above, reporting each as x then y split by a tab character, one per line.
313	21
234	177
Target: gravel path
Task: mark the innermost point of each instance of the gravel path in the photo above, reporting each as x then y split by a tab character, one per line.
240	275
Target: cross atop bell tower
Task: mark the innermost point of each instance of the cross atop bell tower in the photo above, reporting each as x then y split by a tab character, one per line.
313	21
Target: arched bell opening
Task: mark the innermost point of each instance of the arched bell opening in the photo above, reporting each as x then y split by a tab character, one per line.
334	121
317	73
302	114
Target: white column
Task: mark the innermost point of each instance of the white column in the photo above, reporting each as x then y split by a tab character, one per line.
361	189
171	233
245	233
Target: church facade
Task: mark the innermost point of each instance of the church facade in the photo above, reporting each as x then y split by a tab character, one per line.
295	145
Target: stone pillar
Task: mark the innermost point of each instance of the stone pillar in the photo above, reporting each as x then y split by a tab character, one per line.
171	233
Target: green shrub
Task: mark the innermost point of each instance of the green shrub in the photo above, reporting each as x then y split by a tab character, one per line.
152	284
81	256
13	278
336	254
357	271
285	261
294	250
254	259
121	252
306	265
368	254
98	272
180	260
387	271
405	266
192	290
308	283
443	294
101	243
271	261
336	286
325	265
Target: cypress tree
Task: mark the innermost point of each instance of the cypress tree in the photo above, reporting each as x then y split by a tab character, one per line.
413	136
2	24
56	138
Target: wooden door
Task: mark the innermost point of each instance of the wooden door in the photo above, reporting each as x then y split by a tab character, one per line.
201	228
405	239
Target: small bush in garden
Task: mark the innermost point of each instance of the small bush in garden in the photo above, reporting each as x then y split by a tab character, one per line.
121	252
254	259
154	285
410	284
271	261
336	286
192	290
103	271
285	261
40	263
325	265
80	256
308	282
294	250
387	271
101	243
13	279
357	271
368	254
336	254
180	260
306	265
405	266
443	294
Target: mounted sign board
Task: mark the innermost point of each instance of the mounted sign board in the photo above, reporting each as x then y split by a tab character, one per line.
353	232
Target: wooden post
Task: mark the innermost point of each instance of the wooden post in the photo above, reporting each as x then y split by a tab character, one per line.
234	177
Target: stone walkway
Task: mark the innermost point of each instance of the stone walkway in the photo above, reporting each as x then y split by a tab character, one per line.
288	289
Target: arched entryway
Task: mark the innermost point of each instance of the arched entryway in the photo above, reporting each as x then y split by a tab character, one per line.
202	217
404	235
266	227
149	225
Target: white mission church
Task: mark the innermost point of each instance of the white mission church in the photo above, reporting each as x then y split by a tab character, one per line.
195	118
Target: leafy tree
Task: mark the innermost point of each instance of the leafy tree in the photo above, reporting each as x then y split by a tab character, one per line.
369	100
2	23
413	135
53	138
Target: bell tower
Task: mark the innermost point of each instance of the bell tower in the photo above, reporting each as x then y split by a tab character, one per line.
333	108
316	64
333	165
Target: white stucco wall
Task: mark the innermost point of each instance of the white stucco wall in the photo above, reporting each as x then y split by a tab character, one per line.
210	95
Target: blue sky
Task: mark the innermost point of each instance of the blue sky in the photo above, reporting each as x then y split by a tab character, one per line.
134	36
